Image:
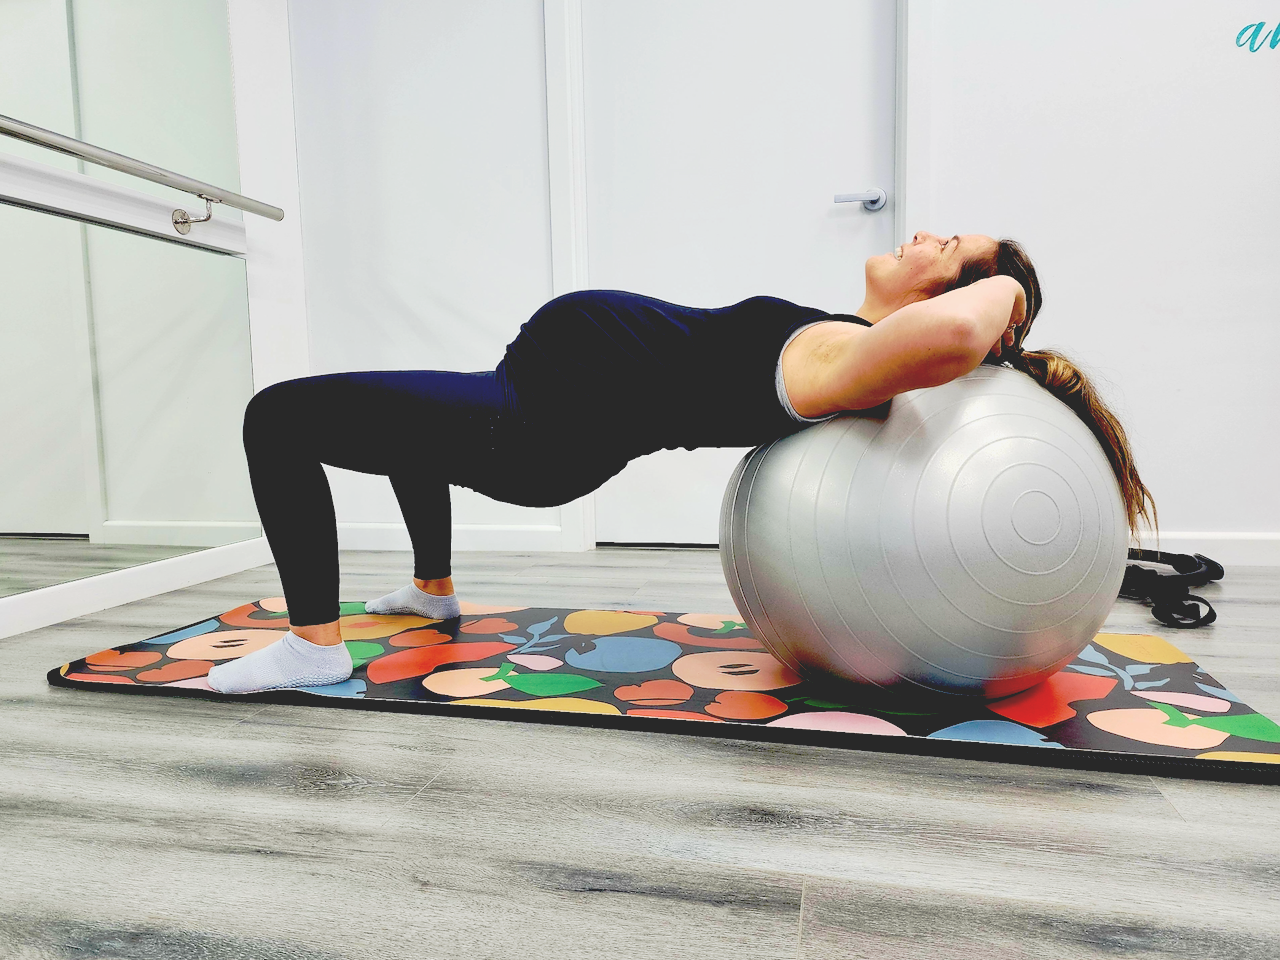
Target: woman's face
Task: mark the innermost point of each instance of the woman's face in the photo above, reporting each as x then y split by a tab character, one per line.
921	267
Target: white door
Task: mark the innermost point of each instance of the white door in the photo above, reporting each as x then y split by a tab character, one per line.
717	134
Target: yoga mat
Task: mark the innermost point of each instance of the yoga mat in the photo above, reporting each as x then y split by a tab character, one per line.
1130	702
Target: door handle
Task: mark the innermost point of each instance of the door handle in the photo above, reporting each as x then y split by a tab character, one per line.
872	199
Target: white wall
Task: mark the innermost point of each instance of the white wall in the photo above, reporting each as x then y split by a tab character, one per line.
1132	148
422	144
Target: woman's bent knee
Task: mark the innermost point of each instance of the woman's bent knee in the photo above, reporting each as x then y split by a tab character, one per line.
275	413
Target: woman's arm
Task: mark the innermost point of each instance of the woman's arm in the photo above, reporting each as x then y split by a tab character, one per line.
924	344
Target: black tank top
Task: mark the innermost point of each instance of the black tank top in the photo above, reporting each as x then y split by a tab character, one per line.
650	374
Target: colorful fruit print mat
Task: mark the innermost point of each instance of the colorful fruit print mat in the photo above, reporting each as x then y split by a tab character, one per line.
1130	702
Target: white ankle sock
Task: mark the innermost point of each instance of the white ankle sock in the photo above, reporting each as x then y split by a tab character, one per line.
412	599
289	662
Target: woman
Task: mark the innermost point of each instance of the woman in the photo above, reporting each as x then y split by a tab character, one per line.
595	379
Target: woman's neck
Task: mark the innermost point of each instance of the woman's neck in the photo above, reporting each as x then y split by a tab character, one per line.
873	311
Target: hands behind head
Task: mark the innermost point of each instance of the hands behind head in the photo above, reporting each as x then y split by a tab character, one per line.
1017	318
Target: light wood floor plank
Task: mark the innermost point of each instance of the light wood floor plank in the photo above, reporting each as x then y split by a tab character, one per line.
28	563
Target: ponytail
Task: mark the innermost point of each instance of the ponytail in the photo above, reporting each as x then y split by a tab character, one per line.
1068	383
1062	378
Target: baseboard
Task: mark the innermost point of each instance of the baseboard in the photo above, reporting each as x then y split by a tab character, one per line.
1229	549
76	598
466	536
176	533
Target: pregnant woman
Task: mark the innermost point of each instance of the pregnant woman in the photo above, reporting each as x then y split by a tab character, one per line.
598	378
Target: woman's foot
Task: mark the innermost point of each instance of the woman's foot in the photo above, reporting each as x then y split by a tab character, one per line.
433	599
289	662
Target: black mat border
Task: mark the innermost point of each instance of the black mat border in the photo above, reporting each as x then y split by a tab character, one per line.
1072	758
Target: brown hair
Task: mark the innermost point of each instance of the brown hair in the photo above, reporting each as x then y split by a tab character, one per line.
1061	377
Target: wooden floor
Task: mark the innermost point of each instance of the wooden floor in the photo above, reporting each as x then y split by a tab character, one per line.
155	828
29	563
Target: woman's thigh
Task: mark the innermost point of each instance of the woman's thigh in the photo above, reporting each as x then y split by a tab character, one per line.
377	421
467	429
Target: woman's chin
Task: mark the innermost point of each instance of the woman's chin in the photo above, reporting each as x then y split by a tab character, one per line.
882	266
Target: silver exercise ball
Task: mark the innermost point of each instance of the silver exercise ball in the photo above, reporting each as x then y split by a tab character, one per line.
970	543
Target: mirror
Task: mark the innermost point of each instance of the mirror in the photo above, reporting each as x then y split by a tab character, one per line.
124	361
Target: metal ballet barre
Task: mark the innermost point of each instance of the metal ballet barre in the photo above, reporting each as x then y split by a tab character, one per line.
182	221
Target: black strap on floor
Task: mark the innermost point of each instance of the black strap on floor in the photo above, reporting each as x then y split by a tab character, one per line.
1169	594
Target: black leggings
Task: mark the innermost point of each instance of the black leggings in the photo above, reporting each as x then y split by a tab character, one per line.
424	429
